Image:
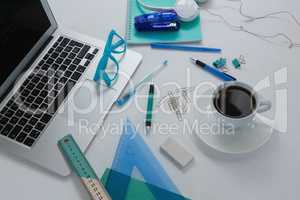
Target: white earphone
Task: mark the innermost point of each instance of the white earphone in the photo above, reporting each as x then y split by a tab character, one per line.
187	10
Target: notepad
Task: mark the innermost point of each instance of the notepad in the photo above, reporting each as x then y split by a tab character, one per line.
189	31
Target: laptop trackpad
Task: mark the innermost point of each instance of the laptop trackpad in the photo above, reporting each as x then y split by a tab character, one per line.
87	106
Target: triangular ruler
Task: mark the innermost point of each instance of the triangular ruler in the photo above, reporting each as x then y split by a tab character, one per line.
132	152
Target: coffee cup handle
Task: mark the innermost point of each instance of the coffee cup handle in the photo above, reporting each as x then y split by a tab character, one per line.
264	105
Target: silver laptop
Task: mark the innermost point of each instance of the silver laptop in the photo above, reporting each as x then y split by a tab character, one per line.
46	87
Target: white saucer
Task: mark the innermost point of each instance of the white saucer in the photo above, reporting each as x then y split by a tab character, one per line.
243	140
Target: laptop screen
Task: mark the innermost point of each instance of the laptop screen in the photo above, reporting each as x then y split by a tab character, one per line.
22	24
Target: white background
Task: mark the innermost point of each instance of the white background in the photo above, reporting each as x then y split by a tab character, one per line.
272	172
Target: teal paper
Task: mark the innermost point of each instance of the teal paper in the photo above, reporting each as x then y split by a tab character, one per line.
135	189
189	31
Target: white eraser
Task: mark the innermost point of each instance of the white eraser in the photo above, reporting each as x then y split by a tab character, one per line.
176	152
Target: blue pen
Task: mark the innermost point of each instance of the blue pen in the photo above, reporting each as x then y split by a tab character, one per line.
214	71
185	48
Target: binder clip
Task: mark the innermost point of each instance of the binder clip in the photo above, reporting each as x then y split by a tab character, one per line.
237	62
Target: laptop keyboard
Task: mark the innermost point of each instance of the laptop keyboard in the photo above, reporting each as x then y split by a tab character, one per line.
28	112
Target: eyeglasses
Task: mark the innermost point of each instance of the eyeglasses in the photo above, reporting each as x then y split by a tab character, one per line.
108	67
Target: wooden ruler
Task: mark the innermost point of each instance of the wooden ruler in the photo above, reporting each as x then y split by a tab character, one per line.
82	168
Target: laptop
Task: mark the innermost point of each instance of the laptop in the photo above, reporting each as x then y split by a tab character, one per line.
46	87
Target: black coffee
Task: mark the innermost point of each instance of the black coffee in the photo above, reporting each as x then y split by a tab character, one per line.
235	101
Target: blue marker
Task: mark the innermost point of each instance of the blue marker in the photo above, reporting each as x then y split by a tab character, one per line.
214	71
185	48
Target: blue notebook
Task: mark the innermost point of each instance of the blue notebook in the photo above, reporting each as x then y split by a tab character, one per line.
189	31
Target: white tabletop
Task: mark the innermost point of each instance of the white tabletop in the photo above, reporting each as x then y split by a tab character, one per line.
272	172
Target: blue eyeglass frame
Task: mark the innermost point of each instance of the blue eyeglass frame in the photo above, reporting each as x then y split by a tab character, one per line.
110	49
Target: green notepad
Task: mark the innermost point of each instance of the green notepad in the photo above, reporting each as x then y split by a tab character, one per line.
139	190
189	31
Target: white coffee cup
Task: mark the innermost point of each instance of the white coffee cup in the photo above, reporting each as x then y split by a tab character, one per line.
261	105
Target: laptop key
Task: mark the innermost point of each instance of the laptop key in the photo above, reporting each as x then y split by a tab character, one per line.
14	120
83	51
23	121
9	113
63	54
67	62
51	50
63	80
46	56
33	121
35	92
41	62
27	128
35	134
87	63
54	55
30	99
29	142
68	49
60	39
59	49
25	93
21	137
40	86
59	61
76	76
39	100
43	93
6	129
65	42
89	56
72	55
80	68
79	44
4	110
55	66
55	44
76	50
40	126
45	67
3	120
95	51
46	118
19	113
50	61
15	132
76	61
68	74
72	67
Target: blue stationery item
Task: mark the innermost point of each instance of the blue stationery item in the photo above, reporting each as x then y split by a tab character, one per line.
185	48
214	71
188	32
124	99
157	21
115	44
132	152
159	26
137	190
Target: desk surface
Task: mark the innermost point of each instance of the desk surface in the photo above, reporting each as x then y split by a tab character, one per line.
272	172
